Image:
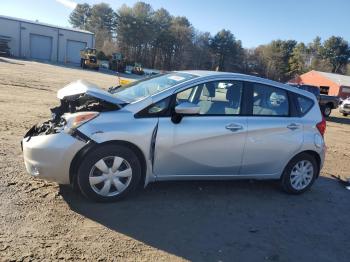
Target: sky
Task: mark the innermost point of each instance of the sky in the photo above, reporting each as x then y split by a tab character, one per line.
254	22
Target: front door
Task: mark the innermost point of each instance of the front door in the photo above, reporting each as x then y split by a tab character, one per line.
208	144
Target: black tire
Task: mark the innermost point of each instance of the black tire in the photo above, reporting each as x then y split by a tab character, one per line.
327	110
286	183
345	114
83	64
87	164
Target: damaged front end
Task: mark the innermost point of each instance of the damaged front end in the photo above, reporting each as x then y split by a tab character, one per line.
80	102
49	148
46	128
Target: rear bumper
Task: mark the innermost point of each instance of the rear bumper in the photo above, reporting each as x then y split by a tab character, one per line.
49	156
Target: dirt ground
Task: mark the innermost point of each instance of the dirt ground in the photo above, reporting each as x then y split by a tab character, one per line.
197	221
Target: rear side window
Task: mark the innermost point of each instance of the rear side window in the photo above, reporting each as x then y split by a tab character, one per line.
304	104
269	101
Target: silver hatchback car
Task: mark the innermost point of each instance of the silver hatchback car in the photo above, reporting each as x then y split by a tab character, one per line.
185	125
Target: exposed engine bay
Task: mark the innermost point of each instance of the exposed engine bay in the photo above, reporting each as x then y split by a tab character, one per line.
77	97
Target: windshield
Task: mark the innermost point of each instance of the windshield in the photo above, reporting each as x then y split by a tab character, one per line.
150	86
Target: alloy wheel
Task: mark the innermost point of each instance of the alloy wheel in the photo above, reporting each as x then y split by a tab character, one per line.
327	111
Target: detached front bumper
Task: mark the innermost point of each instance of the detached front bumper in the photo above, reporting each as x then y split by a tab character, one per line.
50	156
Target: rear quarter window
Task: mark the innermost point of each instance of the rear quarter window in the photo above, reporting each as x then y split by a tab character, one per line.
304	104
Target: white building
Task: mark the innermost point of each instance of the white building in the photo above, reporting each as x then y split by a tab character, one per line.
34	40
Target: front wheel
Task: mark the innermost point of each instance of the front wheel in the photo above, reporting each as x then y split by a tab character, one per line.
345	114
299	174
109	173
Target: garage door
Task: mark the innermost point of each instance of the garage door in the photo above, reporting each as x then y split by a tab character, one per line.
73	51
40	47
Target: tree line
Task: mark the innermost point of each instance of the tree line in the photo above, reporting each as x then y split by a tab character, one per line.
157	39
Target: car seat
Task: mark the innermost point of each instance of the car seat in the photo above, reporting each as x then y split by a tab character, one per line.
208	91
233	96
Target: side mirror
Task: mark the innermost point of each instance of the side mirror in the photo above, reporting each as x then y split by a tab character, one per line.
187	108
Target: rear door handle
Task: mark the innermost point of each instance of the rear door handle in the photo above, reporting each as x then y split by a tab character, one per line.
293	126
234	127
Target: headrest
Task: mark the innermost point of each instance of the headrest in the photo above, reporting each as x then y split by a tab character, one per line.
233	92
277	99
209	89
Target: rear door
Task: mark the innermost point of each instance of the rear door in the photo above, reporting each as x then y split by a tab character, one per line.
208	144
275	133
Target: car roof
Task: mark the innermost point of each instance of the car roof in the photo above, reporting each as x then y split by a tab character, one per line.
203	75
207	73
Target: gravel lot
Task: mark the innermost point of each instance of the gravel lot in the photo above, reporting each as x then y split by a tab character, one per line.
198	221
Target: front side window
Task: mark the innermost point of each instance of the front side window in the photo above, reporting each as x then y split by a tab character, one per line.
159	107
269	101
214	98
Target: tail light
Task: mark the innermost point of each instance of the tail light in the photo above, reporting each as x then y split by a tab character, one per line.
321	126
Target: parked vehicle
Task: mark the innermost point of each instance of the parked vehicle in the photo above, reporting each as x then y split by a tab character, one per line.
137	69
117	63
183	125
344	108
4	45
88	58
327	103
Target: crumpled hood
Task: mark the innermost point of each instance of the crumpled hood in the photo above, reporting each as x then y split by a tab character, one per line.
80	87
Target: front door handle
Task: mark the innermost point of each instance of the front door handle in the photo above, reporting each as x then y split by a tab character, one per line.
234	127
293	126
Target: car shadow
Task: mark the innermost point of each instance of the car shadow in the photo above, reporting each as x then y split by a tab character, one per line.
339	120
240	220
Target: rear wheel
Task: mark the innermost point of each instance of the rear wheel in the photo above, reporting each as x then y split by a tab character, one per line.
299	174
327	110
109	173
345	114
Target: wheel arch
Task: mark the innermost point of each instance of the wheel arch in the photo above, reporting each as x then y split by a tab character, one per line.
312	153
92	146
331	105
